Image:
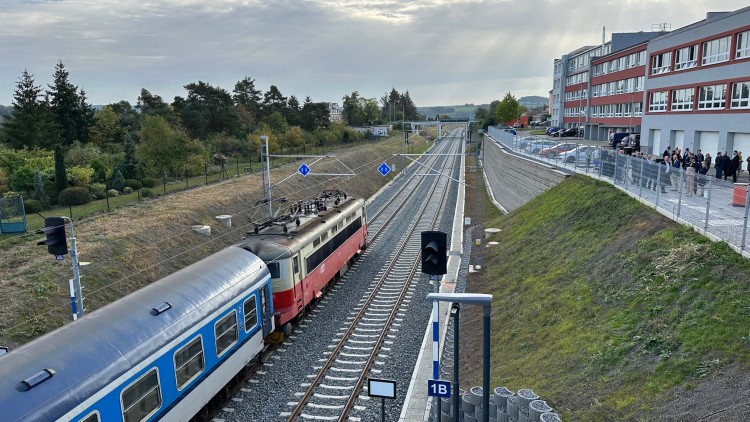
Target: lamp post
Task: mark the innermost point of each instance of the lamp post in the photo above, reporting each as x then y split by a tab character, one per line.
580	106
485	301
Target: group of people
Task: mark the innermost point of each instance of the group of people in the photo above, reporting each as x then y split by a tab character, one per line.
723	164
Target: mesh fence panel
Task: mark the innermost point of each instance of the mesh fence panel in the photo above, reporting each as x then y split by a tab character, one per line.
718	207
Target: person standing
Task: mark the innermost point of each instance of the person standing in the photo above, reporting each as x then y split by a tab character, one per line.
699	157
667	152
674	172
702	177
707	160
719	165
734	165
689	180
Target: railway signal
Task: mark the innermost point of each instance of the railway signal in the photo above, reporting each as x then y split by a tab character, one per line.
434	252
54	228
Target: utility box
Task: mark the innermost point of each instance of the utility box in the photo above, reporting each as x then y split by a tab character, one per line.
739	197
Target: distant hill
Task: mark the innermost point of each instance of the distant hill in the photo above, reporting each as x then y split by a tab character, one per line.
467	110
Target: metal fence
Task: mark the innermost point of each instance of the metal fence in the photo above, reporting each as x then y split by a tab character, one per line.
717	207
12	215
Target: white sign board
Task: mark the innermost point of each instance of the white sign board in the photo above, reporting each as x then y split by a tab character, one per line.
381	388
467	221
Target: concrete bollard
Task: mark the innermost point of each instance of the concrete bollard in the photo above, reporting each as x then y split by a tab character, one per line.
469	418
536	408
476	396
525	397
550	417
512	407
466	404
225	219
202	230
501	395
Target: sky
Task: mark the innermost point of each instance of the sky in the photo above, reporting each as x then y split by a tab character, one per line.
444	52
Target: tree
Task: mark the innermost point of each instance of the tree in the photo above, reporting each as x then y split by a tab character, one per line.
314	115
246	96
61	180
277	122
508	109
163	148
106	128
292	111
30	123
207	110
130	163
273	101
352	112
154	105
118	181
369	110
71	111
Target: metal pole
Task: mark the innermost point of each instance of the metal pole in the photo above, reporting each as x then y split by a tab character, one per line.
76	275
641	179
382	409
73	299
744	227
708	204
457	308
266	176
486	371
679	194
658	185
628	166
436	343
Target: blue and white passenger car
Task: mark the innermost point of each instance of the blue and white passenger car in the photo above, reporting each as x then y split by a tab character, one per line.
160	353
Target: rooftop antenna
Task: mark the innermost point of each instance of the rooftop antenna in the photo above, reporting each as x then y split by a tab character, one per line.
661	27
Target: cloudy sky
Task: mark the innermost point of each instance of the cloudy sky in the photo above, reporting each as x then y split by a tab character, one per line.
443	51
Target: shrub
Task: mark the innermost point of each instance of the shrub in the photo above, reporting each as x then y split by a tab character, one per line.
118	182
133	184
22	180
112	193
97	189
128	190
50	190
149	182
32	206
81	176
147	192
74	196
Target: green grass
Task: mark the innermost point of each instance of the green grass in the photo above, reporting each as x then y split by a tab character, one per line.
538	132
614	303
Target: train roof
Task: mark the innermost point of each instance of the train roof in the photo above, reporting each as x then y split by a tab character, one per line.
88	354
280	238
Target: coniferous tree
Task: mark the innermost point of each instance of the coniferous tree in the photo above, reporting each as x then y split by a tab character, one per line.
61	180
118	181
247	97
66	105
38	186
30	124
130	164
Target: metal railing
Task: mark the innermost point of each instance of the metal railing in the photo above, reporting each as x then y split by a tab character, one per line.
718	208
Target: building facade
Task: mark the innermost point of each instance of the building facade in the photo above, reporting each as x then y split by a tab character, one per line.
334	113
697	92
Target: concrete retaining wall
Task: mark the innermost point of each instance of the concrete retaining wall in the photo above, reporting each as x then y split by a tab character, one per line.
516	180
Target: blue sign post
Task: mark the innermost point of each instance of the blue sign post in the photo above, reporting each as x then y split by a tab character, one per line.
439	388
384	169
304	169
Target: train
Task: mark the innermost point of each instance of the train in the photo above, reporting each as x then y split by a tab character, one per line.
308	248
164	351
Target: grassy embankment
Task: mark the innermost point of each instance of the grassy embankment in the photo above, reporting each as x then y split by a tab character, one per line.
607	309
140	242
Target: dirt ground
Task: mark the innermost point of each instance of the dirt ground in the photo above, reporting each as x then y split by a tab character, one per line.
137	244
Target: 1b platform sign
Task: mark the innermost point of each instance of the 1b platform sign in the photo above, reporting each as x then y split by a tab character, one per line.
438	388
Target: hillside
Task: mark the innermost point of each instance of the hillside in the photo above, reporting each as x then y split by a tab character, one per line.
612	312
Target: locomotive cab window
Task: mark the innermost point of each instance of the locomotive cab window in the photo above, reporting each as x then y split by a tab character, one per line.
226	333
275	269
93	417
250	311
295	263
189	362
142	398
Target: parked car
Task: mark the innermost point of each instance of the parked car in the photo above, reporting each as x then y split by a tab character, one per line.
536	146
567	132
516	125
616	138
554	151
577	154
551	130
524	143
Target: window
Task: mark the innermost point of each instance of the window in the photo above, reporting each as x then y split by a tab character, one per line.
716	51
226	333
612	87
682	99
685	58
324	237
618	110
613	66
622	63
632	60
660	63
627	108
743	45
658	101
595	91
275	269
637	109
93	417
189	362
639	83
316	242
295	263
142	398
620	86
712	97
250	312
741	95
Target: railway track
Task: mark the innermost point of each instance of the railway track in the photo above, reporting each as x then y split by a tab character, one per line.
363	340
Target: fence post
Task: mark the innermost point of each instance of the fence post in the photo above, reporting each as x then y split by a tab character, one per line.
205	170
106	195
658	185
708	204
680	184
614	175
238	165
641	180
744	227
628	164
164	181
187	184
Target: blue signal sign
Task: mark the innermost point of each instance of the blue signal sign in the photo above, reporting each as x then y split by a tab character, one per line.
304	169
384	169
59	257
438	388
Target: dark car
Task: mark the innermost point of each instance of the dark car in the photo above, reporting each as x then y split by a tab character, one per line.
551	130
616	138
572	131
